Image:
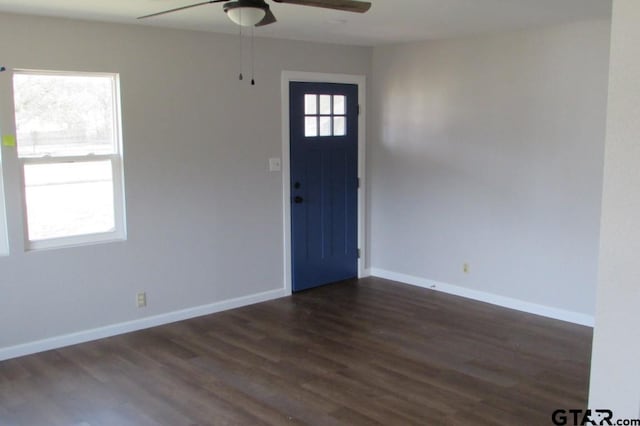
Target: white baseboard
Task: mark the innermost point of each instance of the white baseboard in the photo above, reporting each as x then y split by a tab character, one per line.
494	299
129	326
154	321
366	272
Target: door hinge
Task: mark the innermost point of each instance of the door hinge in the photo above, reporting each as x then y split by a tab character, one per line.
358	109
358	183
358	253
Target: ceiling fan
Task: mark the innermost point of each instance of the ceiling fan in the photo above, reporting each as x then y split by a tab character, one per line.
250	13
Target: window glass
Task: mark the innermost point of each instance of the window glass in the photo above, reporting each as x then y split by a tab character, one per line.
325	115
63	115
325	104
311	126
310	104
339	126
339	105
68	141
67	199
325	126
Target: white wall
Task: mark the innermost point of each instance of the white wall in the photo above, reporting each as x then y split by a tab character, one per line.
489	150
204	214
615	368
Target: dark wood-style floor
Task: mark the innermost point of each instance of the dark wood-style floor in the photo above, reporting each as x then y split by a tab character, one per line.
365	352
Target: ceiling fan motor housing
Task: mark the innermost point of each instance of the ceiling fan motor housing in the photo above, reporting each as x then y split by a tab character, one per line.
246	12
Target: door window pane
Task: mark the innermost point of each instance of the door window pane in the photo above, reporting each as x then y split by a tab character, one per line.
325	126
67	199
311	126
339	105
325	115
325	104
339	126
310	104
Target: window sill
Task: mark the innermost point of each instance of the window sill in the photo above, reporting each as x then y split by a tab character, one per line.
75	241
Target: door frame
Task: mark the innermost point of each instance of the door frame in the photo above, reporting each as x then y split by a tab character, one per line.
313	77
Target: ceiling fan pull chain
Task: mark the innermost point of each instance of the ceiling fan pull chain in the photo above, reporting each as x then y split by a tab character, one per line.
240	76
253	54
258	13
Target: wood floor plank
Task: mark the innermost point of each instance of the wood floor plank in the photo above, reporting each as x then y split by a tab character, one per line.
360	352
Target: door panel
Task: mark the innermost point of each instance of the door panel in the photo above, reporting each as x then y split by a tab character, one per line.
324	183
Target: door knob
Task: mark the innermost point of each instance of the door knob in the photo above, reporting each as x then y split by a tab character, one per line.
298	199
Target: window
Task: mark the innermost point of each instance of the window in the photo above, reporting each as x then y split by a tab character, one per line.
325	115
70	151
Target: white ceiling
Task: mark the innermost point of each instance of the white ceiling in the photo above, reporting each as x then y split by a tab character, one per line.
388	21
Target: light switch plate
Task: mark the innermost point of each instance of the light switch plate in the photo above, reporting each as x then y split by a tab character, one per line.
274	165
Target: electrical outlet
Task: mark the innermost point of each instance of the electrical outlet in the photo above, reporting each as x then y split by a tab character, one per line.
142	300
465	268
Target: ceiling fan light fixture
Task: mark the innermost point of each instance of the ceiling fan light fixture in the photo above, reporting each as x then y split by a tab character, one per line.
245	13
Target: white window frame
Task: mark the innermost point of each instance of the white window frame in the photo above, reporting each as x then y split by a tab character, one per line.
4	235
119	233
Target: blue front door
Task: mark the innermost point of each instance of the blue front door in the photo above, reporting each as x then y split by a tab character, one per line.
324	183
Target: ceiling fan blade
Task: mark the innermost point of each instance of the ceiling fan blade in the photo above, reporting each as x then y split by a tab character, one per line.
181	8
345	5
269	18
